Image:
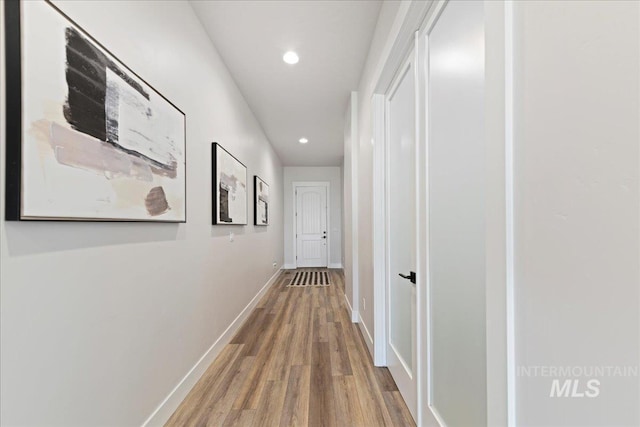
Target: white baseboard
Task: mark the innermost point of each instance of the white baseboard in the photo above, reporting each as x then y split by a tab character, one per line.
437	416
354	314
293	266
355	318
168	406
367	336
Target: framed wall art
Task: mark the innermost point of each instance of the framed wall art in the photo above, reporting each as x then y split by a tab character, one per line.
260	201
229	182
87	138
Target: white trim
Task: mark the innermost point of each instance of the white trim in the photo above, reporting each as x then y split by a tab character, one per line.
335	265
166	408
379	232
355	153
349	306
496	199
355	317
434	13
407	66
422	218
426	383
438	417
509	206
397	79
289	267
406	70
365	333
419	166
414	17
295	185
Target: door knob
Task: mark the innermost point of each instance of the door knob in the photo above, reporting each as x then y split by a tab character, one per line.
411	276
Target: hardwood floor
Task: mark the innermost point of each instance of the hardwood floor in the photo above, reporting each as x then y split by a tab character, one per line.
297	361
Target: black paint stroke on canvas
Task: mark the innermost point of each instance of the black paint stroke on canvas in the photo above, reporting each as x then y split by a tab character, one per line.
90	107
86	76
224	203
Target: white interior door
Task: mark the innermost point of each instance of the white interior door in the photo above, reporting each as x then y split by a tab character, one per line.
401	226
456	215
311	226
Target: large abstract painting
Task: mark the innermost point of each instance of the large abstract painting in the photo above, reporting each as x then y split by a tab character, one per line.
94	140
229	183
260	201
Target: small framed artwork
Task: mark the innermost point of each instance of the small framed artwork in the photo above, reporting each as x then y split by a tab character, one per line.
87	138
229	182
260	201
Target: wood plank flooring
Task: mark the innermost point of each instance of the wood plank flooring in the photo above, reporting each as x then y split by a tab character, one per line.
297	361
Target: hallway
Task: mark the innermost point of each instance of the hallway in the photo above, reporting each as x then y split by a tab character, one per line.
466	173
297	360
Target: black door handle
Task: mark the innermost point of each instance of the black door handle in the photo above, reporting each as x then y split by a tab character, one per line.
411	276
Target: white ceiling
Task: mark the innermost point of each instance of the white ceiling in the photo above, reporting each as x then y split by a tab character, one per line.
293	101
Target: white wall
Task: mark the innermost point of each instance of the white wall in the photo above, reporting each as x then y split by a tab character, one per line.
577	140
333	175
100	321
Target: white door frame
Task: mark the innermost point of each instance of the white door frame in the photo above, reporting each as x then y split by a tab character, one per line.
415	14
386	86
295	186
409	69
355	267
419	18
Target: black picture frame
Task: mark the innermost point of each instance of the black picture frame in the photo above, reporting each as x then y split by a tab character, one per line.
261	201
221	191
155	205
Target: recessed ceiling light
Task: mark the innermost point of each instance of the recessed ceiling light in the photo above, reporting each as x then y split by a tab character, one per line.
303	140
291	58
